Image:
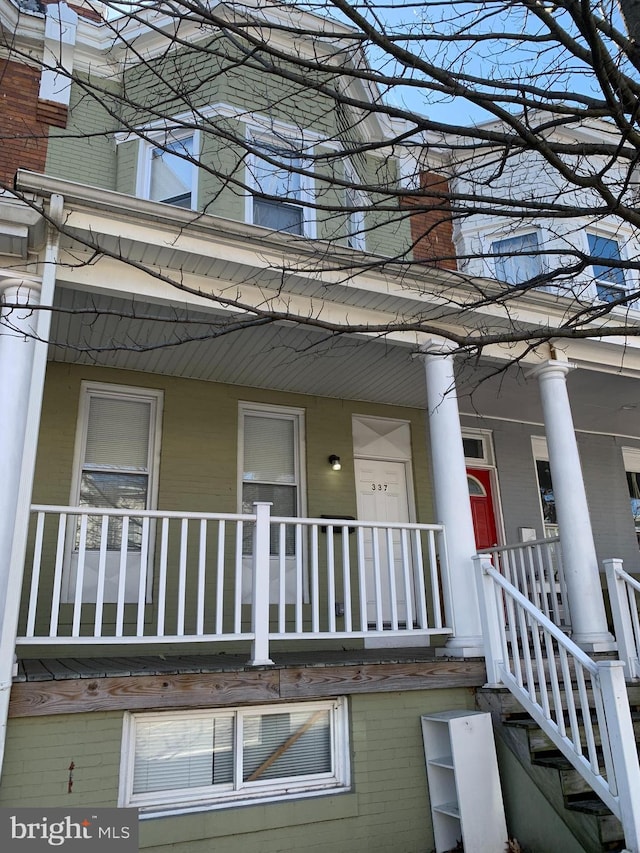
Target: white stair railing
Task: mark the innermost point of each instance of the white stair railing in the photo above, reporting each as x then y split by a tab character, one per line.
536	569
624	595
581	705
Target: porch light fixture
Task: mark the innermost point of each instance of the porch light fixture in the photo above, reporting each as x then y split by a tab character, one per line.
335	463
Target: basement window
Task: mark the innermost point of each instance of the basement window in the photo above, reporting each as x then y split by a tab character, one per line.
192	760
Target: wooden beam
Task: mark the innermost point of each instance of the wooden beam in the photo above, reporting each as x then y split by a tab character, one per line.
155	692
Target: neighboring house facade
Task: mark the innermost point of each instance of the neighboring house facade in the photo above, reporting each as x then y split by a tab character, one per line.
259	492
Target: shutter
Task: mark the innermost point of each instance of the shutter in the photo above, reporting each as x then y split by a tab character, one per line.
118	433
269	449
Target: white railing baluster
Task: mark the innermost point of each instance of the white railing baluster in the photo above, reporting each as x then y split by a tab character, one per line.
202	576
346	581
282	576
101	578
299	578
377	578
122	576
362	580
77	597
142	579
162	580
391	575
222	531
331	580
315	581
57	575
237	575
405	554
35	575
182	577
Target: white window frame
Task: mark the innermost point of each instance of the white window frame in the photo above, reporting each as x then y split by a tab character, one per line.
631	460
355	220
297	416
515	235
238	792
116	392
541	454
595	282
258	135
146	148
486	437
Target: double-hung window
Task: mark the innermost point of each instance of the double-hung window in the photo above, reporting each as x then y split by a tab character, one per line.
279	189
191	760
517	259
631	457
115	469
610	280
170	171
271	469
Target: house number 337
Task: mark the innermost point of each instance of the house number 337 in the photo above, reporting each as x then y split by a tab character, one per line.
379	487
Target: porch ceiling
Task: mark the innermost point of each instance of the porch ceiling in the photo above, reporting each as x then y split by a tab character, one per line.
287	358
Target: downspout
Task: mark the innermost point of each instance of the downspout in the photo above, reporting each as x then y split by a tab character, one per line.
9	629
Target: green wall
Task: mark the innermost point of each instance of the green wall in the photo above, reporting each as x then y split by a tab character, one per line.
387	809
198	463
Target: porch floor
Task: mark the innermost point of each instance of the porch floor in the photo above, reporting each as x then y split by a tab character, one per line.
63	668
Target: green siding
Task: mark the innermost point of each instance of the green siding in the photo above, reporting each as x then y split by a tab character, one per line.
387	810
85	151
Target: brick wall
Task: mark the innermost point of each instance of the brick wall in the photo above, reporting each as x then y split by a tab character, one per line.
431	229
24	120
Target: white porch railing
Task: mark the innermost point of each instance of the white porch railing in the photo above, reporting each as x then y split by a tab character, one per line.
582	706
536	569
96	576
624	595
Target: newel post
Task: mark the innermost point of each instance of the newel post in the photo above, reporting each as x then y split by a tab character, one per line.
621	614
491	619
623	749
260	586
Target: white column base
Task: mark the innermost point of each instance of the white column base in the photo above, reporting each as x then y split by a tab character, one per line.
462	647
595	642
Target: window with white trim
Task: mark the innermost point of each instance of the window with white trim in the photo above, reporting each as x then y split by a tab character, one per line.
517	259
355	201
279	189
117	444
631	457
610	281
168	170
188	760
545	486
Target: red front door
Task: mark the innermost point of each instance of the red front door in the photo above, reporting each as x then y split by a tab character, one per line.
484	519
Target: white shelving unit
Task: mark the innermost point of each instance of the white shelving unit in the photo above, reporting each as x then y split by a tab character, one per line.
464	786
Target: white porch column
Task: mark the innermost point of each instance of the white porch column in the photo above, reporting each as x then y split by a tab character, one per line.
453	507
588	619
17	346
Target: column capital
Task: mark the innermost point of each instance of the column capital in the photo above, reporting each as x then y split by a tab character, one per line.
24	288
436	346
550	367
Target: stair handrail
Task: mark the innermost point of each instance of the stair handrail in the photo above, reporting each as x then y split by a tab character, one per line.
624	611
538	663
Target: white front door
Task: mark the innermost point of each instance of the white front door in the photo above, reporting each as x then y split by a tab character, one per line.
382	496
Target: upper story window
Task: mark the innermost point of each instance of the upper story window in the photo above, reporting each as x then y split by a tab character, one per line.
517	259
610	281
168	171
354	201
279	190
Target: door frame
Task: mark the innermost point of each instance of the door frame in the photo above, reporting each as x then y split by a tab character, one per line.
487	462
393	445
